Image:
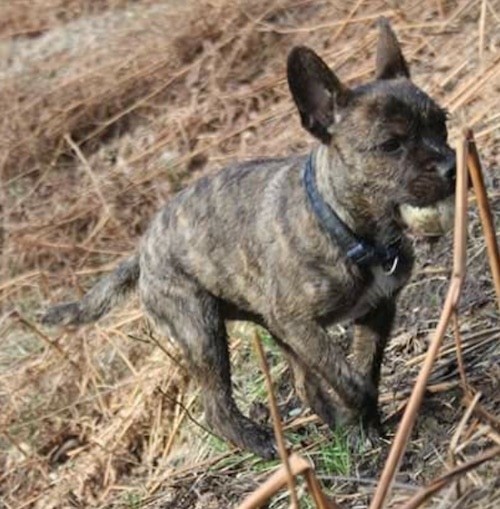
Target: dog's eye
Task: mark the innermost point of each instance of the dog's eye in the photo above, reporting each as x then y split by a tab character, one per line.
392	145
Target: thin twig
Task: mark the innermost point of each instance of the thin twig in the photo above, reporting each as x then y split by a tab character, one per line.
482	21
438	484
88	170
53	344
349	17
459	351
463	421
485	414
458	433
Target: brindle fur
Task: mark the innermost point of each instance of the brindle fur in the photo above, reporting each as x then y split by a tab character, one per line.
245	244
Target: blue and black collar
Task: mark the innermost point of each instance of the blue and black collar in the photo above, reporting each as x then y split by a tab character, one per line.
358	250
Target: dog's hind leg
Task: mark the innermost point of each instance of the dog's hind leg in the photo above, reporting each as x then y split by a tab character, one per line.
371	333
322	355
191	316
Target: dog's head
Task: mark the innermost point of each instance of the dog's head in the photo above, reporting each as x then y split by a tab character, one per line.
387	139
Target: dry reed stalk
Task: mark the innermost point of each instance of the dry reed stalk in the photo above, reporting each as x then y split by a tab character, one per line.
459	352
333	24
475	432
472	342
452	298
321	500
278	480
31	18
476	174
463	422
485	414
438	484
488	130
495	437
52	344
346	20
153	484
482	21
452	450
460	10
467	91
277	425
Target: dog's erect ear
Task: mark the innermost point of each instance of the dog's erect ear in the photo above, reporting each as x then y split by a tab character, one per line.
390	61
316	90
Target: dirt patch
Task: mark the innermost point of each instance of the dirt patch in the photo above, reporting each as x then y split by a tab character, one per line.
110	106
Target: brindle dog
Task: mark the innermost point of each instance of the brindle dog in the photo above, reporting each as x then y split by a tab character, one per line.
297	244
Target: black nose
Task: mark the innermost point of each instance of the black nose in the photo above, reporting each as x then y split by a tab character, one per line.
448	168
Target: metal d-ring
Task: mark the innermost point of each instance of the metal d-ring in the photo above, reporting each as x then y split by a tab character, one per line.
393	268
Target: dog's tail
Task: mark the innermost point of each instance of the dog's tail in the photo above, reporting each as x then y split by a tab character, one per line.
106	294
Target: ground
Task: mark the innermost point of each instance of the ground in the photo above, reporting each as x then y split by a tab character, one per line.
110	106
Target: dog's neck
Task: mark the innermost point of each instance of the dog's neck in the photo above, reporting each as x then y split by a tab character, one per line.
360	250
358	213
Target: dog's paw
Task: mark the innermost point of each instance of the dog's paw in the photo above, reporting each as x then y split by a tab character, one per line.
363	422
363	438
243	433
260	441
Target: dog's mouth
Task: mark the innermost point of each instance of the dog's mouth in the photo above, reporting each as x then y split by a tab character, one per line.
431	220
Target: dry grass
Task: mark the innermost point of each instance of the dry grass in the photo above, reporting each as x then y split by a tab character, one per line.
107	108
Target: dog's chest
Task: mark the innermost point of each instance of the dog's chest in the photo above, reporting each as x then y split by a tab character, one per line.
381	285
352	297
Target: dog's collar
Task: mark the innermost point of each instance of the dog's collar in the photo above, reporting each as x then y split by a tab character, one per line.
358	250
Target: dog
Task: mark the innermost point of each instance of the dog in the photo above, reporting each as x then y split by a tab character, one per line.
297	244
